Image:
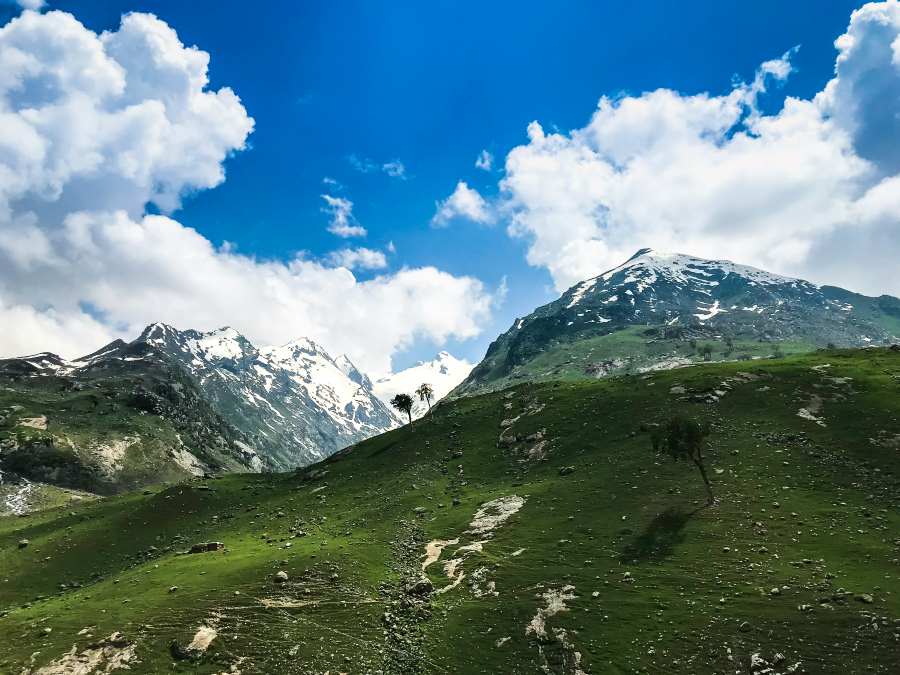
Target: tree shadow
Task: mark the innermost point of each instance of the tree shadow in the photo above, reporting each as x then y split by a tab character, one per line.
660	538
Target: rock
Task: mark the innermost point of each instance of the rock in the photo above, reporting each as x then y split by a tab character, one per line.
280	577
757	663
745	627
420	586
315	474
207	546
23	543
866	598
173	589
775	591
566	470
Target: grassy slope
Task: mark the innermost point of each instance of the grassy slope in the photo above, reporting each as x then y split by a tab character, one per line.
83	423
810	508
633	349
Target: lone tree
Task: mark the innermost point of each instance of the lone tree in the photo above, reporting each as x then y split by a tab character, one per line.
404	403
425	393
683	438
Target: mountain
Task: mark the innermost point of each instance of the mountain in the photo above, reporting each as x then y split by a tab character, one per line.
295	402
660	310
178	403
526	531
443	373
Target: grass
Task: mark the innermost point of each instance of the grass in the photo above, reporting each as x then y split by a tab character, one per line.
632	350
659	584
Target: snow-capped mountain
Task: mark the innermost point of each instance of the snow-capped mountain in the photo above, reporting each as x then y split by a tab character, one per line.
295	401
285	406
660	310
443	373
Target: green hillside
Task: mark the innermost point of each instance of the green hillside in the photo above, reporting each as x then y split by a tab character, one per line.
565	545
114	428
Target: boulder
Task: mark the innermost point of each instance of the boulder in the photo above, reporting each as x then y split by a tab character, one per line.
207	546
420	586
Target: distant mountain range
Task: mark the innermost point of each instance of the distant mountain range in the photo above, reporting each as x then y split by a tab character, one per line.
660	310
176	403
443	373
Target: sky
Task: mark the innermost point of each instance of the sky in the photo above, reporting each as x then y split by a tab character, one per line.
391	179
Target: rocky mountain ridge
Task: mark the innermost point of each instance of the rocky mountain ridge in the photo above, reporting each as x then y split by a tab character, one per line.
660	310
219	403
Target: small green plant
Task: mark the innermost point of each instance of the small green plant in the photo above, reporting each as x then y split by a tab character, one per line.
684	438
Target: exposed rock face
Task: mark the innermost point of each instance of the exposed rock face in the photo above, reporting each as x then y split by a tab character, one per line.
222	404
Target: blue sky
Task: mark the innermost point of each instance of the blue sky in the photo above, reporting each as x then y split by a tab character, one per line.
433	84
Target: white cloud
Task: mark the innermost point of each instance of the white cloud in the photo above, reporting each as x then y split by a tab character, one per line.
31	4
358	258
465	202
810	190
342	224
92	128
394	169
362	164
484	161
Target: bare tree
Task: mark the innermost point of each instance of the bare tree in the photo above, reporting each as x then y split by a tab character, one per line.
425	393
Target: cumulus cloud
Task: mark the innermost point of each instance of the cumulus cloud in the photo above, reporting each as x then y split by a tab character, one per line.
809	190
465	202
358	258
95	127
31	4
484	161
342	223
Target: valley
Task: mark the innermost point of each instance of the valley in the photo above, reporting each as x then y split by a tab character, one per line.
526	530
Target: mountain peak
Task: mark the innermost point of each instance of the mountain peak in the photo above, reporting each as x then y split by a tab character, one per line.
651	312
296	346
157	332
640	253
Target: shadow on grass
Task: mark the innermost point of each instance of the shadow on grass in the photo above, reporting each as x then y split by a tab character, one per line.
659	540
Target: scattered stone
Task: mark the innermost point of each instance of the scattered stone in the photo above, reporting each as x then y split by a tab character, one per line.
207	546
866	598
23	543
280	577
566	470
420	586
